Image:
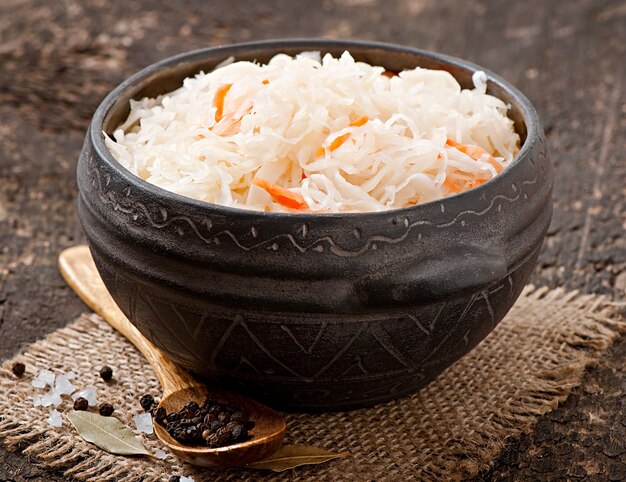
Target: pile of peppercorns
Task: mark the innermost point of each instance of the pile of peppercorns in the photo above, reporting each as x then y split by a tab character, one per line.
213	424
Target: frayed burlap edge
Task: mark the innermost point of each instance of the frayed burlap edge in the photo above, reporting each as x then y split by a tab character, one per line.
563	370
451	430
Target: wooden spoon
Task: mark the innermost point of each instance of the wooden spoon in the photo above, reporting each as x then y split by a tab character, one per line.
78	269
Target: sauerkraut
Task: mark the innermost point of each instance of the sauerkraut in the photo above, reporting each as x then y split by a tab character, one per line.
311	134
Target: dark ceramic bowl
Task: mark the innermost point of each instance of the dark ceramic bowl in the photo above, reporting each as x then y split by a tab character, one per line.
305	311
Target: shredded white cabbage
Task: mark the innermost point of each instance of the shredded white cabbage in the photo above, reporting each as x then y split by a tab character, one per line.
317	135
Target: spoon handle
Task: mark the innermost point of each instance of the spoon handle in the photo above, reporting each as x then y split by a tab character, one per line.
80	273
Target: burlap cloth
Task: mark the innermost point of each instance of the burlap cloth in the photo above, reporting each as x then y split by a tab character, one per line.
449	431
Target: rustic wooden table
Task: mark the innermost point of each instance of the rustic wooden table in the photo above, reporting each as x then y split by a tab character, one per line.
58	59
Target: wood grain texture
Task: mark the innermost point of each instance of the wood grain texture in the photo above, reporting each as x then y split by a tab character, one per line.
79	271
60	58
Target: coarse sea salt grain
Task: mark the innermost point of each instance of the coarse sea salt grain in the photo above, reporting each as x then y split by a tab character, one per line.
38	383
63	386
159	454
51	397
44	377
59	385
55	418
88	394
143	422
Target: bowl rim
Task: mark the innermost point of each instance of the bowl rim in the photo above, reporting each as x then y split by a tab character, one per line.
95	132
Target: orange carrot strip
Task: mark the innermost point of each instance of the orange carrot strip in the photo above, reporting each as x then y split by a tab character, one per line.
338	141
334	145
450	185
389	73
496	165
477	182
475	152
359	122
281	195
218	100
228	125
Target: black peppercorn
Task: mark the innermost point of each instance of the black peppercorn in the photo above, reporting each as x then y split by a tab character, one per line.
106	373
231	425
160	414
146	402
106	409
18	369
239	416
236	431
173	417
81	404
194	432
213	441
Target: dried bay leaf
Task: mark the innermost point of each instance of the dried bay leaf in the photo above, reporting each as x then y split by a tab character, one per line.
290	456
108	433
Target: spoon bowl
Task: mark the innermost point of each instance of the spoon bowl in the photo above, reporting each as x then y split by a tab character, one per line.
264	437
80	273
